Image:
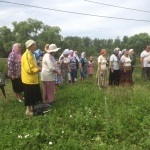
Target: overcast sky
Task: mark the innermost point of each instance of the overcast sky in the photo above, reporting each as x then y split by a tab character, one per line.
80	25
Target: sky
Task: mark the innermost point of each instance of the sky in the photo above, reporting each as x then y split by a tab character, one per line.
81	25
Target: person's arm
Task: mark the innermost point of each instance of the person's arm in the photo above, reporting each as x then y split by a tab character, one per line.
111	66
141	61
30	64
80	65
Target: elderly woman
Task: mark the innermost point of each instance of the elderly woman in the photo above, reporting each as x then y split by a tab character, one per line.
30	77
48	74
102	69
14	70
73	66
145	63
126	72
65	66
83	66
114	64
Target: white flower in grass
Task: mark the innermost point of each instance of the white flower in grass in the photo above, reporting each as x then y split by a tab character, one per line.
26	136
19	136
70	116
50	143
62	132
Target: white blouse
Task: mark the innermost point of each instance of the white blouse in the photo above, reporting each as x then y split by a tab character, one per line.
102	60
126	61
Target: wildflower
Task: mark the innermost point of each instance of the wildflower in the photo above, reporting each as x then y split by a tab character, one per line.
19	136
70	116
50	143
62	132
26	136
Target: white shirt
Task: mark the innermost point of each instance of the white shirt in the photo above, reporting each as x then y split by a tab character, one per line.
126	60
48	67
146	58
102	60
115	62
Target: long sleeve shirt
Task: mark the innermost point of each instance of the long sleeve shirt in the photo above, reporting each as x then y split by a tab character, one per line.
29	68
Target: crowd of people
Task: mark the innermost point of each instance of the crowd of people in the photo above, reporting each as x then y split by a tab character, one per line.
27	71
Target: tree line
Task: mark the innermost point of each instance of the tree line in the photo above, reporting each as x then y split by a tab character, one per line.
43	34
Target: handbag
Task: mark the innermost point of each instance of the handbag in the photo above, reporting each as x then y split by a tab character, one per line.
69	76
2	79
40	108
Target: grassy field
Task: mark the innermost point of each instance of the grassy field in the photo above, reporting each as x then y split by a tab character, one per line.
82	118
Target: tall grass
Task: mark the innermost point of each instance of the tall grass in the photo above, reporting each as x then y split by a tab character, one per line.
82	118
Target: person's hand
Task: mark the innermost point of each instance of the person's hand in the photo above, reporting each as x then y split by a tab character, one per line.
112	70
39	69
13	77
58	73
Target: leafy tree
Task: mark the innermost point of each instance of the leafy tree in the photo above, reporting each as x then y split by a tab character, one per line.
6	41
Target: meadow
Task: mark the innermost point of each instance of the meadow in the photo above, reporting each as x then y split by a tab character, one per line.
83	117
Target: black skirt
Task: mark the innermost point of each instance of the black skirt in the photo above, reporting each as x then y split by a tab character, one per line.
32	94
17	85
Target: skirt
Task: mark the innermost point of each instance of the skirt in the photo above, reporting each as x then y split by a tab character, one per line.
32	94
17	85
48	91
126	77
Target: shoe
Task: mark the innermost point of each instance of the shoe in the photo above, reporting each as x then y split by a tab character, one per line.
29	113
20	100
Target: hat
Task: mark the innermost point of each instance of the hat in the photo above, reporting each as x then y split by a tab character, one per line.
52	48
66	51
130	50
29	43
117	49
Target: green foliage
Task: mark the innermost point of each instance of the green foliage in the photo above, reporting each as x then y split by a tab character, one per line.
83	117
3	65
44	34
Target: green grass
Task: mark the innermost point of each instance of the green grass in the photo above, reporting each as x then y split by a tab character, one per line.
82	118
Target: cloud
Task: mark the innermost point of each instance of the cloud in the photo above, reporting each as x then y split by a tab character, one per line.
80	25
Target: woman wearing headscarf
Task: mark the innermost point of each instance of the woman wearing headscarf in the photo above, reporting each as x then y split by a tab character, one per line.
83	66
30	77
126	72
114	64
133	58
14	70
65	66
48	74
102	69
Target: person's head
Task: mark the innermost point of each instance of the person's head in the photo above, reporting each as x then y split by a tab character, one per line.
16	48
116	51
123	51
91	58
126	52
52	49
103	52
46	47
83	55
31	45
71	52
131	51
66	52
148	48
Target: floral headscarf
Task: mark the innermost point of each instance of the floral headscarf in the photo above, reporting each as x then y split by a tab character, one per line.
16	50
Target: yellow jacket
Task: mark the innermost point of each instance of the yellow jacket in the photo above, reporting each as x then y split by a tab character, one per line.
29	68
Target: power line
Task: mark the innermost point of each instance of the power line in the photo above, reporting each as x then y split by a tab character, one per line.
118	6
77	13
